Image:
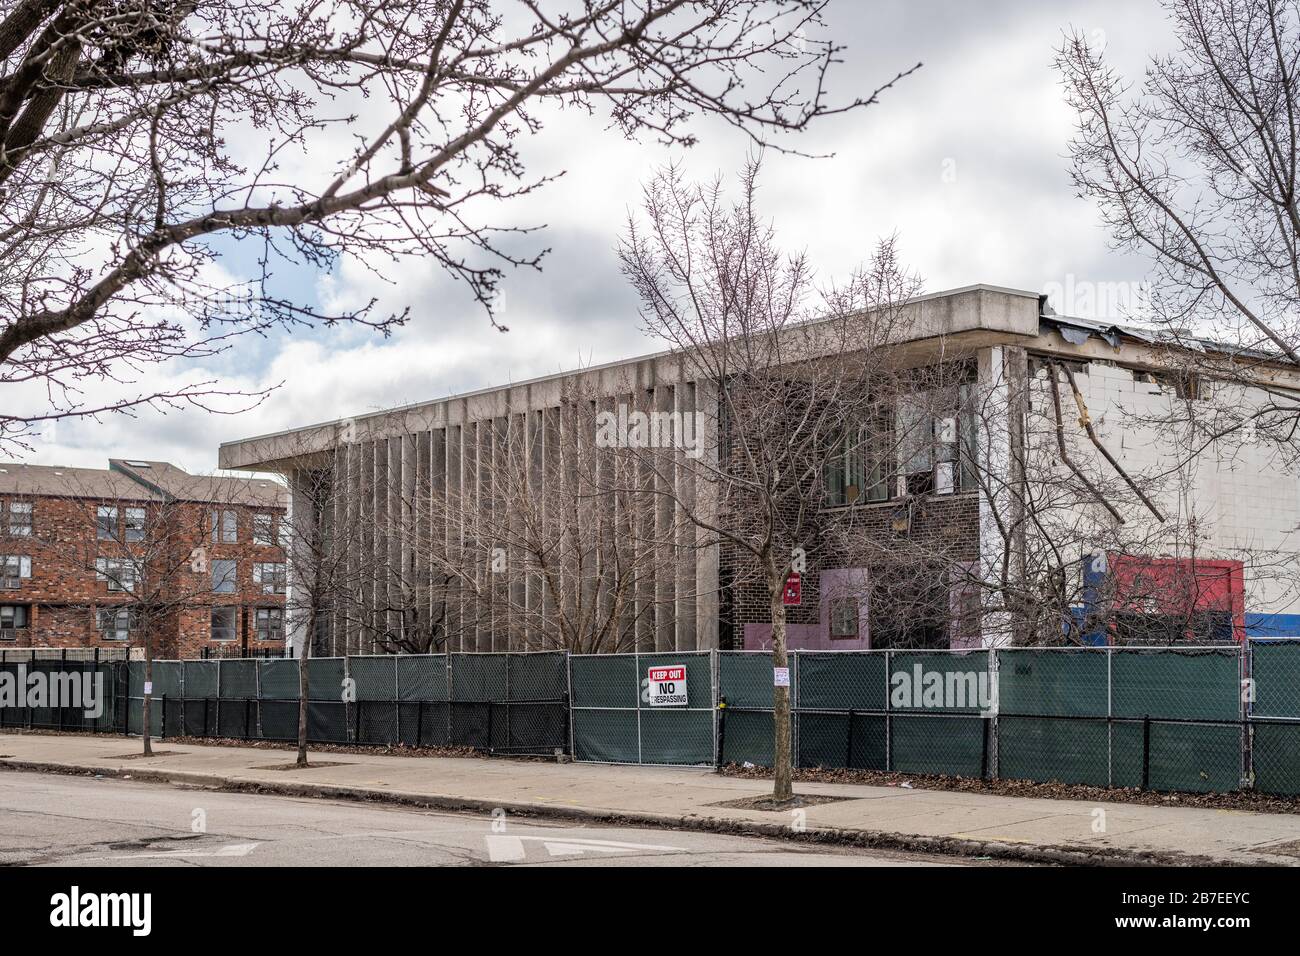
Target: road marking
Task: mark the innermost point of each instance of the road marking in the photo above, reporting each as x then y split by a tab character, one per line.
512	849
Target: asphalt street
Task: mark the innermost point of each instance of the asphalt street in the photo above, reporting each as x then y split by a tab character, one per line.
50	819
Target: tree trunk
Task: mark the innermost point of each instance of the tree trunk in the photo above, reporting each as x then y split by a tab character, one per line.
303	654
782	787
145	708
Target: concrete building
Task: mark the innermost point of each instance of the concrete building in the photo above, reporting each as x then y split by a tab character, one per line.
97	558
1222	518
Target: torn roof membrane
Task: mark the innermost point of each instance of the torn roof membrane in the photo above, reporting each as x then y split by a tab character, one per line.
1077	331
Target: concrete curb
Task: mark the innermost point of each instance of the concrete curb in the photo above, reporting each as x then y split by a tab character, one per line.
867	839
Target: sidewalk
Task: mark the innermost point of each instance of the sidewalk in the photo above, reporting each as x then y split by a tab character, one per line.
929	820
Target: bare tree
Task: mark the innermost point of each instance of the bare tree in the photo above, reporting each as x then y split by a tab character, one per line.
149	550
792	377
1197	170
129	154
549	546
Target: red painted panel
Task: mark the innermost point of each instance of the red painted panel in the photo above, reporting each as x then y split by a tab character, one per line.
1178	586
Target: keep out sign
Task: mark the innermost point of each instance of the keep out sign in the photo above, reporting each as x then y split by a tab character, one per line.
668	686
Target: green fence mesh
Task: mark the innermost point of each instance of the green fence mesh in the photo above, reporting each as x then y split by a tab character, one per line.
613	720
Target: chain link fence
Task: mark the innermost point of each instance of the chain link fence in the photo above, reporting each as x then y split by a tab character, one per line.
1197	719
1158	718
48	689
1273	700
500	703
616	718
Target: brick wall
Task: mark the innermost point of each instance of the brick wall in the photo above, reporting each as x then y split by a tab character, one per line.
64	591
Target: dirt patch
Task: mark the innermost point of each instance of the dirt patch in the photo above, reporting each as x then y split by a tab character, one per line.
1238	800
137	755
297	766
397	751
767	803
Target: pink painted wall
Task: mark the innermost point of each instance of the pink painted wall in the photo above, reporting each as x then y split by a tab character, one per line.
851	582
816	637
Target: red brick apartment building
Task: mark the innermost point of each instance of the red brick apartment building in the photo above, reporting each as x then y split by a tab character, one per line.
101	557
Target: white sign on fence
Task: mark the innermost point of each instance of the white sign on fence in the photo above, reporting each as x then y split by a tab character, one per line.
668	686
781	676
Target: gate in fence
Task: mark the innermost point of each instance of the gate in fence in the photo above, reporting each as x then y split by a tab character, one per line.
619	716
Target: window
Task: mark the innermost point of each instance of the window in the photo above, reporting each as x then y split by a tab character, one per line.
270	578
263	529
115	624
225	527
13	568
106	523
844	619
224	577
857	470
224	624
20	519
13	618
135	524
120	573
937	440
268	623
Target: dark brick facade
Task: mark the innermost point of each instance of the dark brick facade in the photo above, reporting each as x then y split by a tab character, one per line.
927	535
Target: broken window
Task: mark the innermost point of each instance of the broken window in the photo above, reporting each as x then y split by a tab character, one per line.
909	605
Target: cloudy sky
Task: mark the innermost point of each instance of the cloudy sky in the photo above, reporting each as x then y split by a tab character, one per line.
965	160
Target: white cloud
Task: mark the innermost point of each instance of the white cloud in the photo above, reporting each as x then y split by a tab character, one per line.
986	100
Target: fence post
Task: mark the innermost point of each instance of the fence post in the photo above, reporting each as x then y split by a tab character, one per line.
1246	671
257	695
347	677
1110	722
889	750
162	724
397	703
715	676
848	750
1146	751
217	724
568	701
989	760
722	730
450	695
